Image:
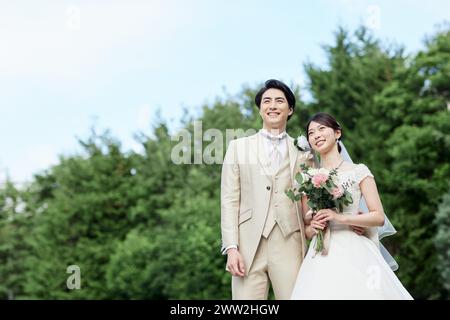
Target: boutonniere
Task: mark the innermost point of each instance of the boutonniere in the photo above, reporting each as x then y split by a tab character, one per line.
301	143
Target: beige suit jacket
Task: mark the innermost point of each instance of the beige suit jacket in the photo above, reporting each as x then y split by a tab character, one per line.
246	193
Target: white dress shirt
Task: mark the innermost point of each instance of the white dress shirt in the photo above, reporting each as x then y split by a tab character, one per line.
270	141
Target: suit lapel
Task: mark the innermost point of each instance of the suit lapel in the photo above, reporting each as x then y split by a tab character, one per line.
258	149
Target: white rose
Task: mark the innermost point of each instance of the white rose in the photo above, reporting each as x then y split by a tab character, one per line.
324	172
313	171
302	143
305	177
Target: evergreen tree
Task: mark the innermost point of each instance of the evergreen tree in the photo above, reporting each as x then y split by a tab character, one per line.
442	242
414	144
15	225
88	214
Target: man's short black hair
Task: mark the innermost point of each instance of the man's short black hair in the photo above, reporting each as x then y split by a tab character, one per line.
276	84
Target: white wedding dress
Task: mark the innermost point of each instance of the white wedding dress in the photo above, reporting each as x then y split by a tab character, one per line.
354	268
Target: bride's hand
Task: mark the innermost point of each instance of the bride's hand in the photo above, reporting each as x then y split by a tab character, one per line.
326	215
317	225
313	228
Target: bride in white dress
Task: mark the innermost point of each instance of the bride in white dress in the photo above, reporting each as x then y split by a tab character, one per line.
353	267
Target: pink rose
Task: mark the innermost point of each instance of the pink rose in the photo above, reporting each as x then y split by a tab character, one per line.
318	179
337	192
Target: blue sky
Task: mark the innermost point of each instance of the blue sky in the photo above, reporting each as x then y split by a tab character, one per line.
67	65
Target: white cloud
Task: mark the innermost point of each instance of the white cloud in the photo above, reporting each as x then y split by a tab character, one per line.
3	176
137	147
143	118
349	6
63	39
42	155
33	160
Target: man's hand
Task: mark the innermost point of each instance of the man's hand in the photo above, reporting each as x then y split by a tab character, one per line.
235	263
359	230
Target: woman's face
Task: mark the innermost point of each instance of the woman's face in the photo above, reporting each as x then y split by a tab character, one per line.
322	138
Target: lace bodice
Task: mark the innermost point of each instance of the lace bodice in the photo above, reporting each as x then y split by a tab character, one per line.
350	180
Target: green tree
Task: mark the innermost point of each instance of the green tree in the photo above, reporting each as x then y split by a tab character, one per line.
140	226
15	225
358	69
442	242
414	144
86	216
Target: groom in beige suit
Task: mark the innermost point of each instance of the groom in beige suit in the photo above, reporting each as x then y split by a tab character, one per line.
262	229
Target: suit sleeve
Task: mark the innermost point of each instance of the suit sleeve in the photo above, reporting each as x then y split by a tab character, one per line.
230	198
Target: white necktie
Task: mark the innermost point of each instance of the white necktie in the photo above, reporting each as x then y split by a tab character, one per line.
275	155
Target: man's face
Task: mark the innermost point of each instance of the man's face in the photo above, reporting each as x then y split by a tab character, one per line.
274	109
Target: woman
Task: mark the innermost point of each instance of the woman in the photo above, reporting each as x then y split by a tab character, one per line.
353	267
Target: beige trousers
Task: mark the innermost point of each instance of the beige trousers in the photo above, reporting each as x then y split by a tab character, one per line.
277	261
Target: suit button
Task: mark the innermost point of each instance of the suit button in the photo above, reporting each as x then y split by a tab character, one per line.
268	187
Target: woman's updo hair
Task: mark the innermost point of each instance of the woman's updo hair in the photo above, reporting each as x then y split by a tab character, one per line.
328	121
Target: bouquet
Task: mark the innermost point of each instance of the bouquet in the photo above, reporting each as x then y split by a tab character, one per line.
322	190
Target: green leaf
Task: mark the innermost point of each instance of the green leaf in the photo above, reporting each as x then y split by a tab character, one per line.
299	178
290	194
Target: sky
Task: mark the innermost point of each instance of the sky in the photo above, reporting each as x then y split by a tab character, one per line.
66	66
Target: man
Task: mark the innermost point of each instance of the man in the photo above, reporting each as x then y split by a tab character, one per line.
262	229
